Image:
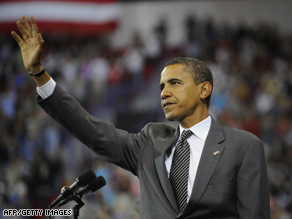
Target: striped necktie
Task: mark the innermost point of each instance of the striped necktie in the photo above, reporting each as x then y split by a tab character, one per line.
179	171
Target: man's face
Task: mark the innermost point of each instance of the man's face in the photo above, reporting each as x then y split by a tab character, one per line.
180	96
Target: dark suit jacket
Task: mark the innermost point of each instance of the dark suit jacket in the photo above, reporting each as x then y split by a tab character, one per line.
231	180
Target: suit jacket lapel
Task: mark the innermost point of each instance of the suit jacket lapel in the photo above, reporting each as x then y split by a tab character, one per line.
208	162
159	159
210	156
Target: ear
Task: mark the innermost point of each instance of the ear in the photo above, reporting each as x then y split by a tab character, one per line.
206	89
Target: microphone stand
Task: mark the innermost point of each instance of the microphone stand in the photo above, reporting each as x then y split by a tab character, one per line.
77	198
95	184
77	207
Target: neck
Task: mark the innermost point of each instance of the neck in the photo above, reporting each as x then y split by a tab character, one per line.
188	122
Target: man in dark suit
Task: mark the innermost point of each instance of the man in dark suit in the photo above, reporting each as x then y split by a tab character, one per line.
211	172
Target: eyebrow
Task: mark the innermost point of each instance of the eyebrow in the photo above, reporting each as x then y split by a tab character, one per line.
161	86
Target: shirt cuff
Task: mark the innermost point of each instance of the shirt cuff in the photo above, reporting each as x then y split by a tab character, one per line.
47	89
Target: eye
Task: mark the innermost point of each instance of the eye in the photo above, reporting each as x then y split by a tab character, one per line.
174	83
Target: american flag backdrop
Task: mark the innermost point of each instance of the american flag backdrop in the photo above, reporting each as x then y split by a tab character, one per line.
80	17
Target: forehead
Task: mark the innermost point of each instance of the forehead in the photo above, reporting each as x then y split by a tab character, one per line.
179	71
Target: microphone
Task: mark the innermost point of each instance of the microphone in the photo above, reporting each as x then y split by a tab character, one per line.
93	186
67	192
96	184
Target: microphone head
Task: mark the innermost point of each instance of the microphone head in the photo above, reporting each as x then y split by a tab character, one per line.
86	178
97	183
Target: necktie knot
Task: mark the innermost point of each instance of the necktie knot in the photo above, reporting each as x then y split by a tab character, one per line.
185	135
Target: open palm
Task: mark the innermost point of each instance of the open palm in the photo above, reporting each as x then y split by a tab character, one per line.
31	44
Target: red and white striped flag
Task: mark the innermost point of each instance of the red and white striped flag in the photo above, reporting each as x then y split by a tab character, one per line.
79	17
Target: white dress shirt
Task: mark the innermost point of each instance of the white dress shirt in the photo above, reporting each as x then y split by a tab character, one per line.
47	89
197	142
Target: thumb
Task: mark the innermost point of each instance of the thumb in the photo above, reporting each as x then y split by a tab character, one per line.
40	39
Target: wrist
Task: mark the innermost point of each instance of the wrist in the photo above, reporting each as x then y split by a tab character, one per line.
42	78
35	69
37	74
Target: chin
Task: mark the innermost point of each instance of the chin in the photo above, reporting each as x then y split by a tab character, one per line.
170	117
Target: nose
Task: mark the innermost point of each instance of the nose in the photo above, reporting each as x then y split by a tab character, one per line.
165	93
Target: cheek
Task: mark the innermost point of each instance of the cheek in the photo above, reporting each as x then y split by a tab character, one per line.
190	102
185	98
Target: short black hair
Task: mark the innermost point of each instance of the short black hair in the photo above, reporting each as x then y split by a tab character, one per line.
198	69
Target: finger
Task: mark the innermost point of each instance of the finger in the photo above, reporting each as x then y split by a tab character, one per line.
17	38
26	26
34	27
40	39
22	30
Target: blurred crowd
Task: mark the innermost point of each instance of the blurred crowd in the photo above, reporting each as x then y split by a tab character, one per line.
252	69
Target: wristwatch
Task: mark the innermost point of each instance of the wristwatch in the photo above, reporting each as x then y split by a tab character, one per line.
37	74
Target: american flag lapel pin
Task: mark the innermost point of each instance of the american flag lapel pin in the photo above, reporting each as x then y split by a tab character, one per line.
216	153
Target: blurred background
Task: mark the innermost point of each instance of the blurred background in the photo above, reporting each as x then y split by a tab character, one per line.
109	55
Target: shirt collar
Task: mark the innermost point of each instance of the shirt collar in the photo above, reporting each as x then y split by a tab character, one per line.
201	129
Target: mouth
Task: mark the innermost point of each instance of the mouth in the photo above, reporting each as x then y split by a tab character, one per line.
167	104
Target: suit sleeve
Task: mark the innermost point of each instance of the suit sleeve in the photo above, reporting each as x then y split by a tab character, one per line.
109	143
252	184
